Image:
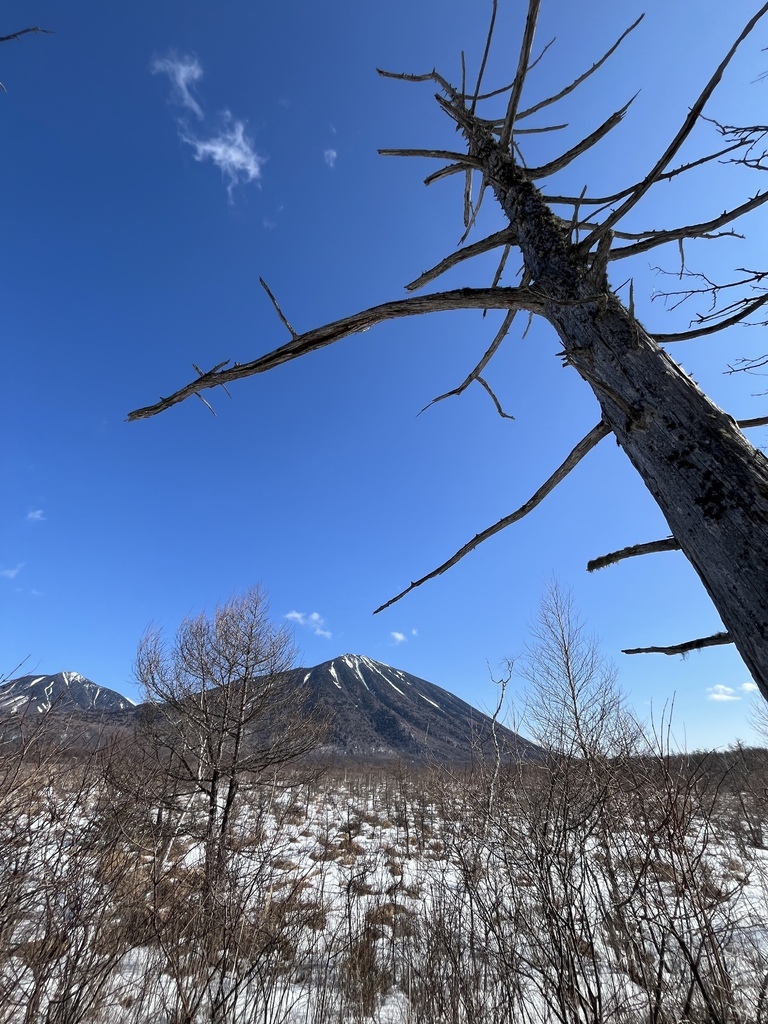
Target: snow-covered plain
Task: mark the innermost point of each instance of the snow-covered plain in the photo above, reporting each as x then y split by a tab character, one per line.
568	892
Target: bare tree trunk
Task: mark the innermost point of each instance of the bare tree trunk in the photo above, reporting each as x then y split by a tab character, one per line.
710	483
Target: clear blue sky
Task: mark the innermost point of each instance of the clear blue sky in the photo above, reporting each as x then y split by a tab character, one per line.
158	159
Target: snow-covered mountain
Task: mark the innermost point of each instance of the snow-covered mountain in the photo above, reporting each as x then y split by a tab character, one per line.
63	691
377	711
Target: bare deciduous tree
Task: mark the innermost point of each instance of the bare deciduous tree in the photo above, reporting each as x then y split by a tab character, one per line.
710	483
222	710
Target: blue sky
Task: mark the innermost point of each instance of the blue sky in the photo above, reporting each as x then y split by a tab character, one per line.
159	159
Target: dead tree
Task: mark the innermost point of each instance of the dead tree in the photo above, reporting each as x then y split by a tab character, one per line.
710	483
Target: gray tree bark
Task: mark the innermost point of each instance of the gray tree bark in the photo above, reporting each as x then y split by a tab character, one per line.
710	483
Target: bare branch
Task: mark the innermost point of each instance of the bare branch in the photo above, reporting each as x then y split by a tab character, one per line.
757	421
24	32
205	403
533	173
444	172
674	146
486	51
502	264
754	281
437	154
716	640
470	212
499	238
668	175
668	544
18	35
319	337
533	64
279	311
467	204
540	131
430	76
747	308
655	238
524	60
201	373
582	448
494	399
582	78
488	355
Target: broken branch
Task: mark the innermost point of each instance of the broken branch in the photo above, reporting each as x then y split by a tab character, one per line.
716	640
668	544
279	311
584	446
24	32
437	154
591	140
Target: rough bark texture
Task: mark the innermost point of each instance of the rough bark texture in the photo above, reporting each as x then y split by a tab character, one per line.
710	483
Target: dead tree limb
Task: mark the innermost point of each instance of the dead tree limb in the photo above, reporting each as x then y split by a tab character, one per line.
494	241
584	446
668	544
656	238
744	309
524	61
675	145
24	32
535	173
582	78
488	355
461	298
716	640
587	200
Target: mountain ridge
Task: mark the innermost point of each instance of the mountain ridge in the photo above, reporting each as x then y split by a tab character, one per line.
382	712
59	691
374	713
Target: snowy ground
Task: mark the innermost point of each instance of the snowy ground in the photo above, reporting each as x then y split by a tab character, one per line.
562	893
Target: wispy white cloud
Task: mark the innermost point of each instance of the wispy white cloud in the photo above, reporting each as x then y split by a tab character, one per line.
414	632
36	515
721	693
313	621
330	157
750	687
399	638
183	72
11	574
231	151
228	146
